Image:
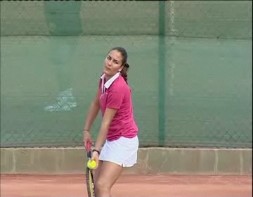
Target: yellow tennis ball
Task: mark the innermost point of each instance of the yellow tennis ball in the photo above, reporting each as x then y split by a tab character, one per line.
91	164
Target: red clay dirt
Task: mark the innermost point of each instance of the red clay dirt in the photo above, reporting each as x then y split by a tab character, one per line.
128	186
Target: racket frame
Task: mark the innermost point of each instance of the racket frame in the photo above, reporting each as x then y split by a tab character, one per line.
90	178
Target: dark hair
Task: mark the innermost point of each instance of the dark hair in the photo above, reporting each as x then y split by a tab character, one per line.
126	66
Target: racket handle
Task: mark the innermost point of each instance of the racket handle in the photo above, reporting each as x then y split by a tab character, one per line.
88	146
89	154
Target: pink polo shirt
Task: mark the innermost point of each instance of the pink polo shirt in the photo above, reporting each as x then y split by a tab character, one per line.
117	96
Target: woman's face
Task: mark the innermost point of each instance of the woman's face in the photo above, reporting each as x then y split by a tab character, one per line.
113	63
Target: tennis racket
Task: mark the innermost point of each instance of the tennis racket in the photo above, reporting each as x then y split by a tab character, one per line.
89	175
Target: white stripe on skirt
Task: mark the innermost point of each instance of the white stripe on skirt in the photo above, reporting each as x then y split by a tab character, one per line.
122	151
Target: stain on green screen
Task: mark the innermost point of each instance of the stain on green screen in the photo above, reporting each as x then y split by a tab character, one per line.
63	18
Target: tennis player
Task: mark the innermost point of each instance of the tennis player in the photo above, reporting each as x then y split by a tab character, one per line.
117	141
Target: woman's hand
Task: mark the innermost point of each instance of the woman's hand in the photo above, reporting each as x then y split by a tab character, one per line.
95	157
87	140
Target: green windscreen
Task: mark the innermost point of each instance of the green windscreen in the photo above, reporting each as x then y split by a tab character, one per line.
190	70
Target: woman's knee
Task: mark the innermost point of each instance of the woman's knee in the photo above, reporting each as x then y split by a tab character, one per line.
102	185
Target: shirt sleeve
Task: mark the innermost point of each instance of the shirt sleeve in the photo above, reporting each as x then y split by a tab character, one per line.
115	99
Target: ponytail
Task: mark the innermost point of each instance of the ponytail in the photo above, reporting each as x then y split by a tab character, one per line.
123	72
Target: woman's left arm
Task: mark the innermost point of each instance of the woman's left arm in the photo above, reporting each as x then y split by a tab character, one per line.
106	121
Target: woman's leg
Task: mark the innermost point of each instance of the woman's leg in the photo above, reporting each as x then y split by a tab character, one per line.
106	176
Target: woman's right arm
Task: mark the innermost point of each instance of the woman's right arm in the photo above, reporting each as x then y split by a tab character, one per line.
91	115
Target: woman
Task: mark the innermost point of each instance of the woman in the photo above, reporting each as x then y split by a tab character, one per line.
117	141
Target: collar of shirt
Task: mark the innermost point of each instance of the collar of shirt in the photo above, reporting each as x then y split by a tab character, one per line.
109	82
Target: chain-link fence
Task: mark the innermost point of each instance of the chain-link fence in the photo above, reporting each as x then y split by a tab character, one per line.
190	69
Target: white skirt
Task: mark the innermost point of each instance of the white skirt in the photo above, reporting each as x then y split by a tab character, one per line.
122	151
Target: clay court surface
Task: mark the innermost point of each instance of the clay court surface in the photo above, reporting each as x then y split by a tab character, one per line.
128	186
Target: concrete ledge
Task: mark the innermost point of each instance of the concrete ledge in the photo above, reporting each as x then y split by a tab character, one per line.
150	161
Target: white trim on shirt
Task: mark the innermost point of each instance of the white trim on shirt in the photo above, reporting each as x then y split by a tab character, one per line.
109	82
